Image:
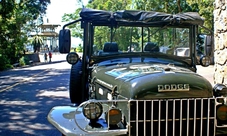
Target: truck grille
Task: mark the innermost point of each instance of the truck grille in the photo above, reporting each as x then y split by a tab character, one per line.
172	117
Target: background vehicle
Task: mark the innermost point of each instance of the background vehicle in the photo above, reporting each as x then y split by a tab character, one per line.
152	89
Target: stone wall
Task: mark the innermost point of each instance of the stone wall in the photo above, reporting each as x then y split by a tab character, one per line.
220	38
33	57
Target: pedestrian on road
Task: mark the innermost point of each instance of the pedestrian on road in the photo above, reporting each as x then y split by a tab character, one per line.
45	57
50	56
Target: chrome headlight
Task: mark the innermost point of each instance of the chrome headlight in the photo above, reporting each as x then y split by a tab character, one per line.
72	58
113	116
92	110
220	90
205	61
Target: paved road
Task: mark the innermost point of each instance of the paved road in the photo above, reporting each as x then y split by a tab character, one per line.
28	94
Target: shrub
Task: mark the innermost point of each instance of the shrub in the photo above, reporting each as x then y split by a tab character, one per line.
4	63
24	61
8	66
79	49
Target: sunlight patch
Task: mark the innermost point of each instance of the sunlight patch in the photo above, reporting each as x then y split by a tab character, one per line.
53	94
25	103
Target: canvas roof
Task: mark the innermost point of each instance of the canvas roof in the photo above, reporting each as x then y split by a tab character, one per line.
139	18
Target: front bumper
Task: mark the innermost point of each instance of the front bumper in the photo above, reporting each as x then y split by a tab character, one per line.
70	121
163	115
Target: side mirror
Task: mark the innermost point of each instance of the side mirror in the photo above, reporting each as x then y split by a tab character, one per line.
205	46
208	45
64	41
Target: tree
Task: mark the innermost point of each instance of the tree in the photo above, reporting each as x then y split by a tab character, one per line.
79	48
112	5
37	42
123	34
17	19
205	8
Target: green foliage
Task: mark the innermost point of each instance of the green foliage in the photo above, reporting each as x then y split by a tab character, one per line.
4	62
76	30
37	41
24	61
204	8
111	5
17	21
79	49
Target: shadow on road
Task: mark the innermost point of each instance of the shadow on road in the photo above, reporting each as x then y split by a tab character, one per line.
25	106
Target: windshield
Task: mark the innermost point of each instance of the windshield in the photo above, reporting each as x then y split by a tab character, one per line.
164	40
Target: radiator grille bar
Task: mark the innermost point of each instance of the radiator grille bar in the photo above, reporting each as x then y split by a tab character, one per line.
176	117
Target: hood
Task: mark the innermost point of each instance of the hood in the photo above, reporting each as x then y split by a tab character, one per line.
153	81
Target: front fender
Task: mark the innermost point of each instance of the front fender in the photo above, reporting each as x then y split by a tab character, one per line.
70	121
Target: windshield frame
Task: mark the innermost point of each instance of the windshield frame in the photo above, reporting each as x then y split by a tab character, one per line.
189	60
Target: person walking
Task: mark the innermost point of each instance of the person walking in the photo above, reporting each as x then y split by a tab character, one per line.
50	56
45	57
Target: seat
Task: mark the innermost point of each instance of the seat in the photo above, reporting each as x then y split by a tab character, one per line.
151	47
110	47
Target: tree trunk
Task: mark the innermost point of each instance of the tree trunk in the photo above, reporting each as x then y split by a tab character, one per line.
179	7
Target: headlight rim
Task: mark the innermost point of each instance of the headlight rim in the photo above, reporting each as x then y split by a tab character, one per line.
99	113
218	113
205	61
109	120
70	56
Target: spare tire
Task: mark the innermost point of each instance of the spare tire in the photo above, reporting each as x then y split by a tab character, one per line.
75	83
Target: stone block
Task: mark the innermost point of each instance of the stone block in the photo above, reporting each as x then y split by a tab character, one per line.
221	57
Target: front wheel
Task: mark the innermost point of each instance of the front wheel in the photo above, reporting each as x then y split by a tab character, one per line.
75	84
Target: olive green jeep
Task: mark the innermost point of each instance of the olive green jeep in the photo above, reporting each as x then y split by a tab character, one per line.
137	76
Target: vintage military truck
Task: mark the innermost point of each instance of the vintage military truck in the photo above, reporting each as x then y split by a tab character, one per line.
145	84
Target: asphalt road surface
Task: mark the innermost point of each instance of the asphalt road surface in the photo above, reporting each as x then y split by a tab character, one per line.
28	94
